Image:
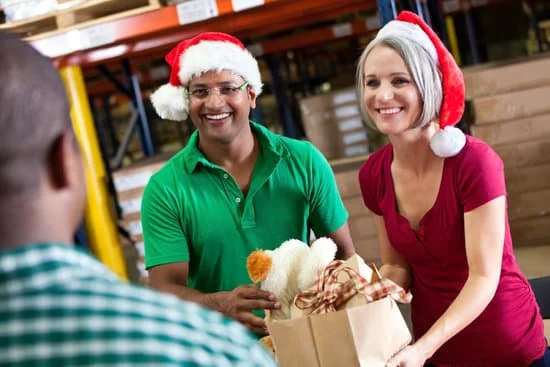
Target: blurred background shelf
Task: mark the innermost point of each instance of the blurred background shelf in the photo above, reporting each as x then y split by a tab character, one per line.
307	51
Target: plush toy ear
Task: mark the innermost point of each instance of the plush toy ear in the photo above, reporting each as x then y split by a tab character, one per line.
323	250
258	264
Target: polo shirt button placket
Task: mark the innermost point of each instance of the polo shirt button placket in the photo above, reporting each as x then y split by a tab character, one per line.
238	200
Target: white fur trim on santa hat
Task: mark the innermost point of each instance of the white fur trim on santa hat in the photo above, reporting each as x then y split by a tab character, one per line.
410	31
170	102
216	56
448	142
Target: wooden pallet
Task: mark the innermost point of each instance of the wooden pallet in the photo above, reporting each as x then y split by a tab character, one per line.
85	13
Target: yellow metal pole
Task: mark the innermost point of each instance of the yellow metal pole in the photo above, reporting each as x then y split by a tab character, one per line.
453	43
98	217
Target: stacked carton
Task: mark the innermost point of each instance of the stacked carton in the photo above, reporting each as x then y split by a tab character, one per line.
129	184
511	108
361	224
333	123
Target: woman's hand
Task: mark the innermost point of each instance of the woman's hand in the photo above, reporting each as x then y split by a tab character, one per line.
411	356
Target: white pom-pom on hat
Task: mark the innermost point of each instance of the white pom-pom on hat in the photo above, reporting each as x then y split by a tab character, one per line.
170	102
449	141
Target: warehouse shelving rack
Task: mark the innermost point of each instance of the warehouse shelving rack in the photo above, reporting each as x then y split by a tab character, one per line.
148	35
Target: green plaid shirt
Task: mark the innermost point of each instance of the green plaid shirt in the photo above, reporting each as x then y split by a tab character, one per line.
61	307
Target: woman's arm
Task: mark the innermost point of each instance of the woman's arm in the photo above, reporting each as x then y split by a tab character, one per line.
484	229
394	266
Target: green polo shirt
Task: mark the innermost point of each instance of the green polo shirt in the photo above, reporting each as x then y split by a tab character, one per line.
193	210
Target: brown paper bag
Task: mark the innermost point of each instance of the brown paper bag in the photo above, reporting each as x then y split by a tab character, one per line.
293	342
366	335
361	334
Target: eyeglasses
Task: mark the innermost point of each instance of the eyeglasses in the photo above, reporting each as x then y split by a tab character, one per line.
202	93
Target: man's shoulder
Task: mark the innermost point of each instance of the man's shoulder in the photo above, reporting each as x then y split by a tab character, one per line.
293	145
160	311
184	324
112	320
173	171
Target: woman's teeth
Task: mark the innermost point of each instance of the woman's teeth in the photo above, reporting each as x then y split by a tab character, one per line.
389	111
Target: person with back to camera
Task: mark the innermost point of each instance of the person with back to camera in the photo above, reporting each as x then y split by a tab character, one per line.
439	204
58	305
235	187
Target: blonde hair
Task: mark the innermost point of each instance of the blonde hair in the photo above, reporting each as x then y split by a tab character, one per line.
421	66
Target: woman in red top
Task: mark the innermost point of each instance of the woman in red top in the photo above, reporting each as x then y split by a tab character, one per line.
439	204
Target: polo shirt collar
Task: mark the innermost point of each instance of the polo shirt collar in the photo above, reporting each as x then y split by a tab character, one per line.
270	144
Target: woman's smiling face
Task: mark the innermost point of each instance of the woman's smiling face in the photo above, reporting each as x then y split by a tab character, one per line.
391	97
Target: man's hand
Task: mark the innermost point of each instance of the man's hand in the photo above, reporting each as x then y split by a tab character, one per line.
239	303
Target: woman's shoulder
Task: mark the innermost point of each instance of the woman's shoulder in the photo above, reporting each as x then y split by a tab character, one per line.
476	152
476	146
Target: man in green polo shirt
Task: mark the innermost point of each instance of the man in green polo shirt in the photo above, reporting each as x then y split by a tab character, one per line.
236	187
58	305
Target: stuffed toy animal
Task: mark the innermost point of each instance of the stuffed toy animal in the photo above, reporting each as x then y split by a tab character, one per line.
290	269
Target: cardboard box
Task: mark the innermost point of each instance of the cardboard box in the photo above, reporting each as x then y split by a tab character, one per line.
530	231
356	207
525	154
362	227
131	207
333	123
525	179
368	249
130	181
337	138
529	204
503	77
328	101
533	261
513	131
348	183
512	105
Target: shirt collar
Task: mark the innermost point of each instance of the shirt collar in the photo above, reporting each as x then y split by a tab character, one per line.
270	144
58	260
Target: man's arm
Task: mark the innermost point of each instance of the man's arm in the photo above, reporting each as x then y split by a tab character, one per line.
237	304
166	255
342	238
328	215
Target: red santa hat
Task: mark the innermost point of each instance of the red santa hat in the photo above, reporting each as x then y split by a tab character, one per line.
209	51
449	140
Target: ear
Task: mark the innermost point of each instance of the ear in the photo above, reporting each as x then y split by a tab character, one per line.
258	264
64	164
252	96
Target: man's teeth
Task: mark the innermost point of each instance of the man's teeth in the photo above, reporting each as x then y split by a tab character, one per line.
388	111
219	116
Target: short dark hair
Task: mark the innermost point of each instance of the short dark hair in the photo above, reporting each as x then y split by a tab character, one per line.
34	112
